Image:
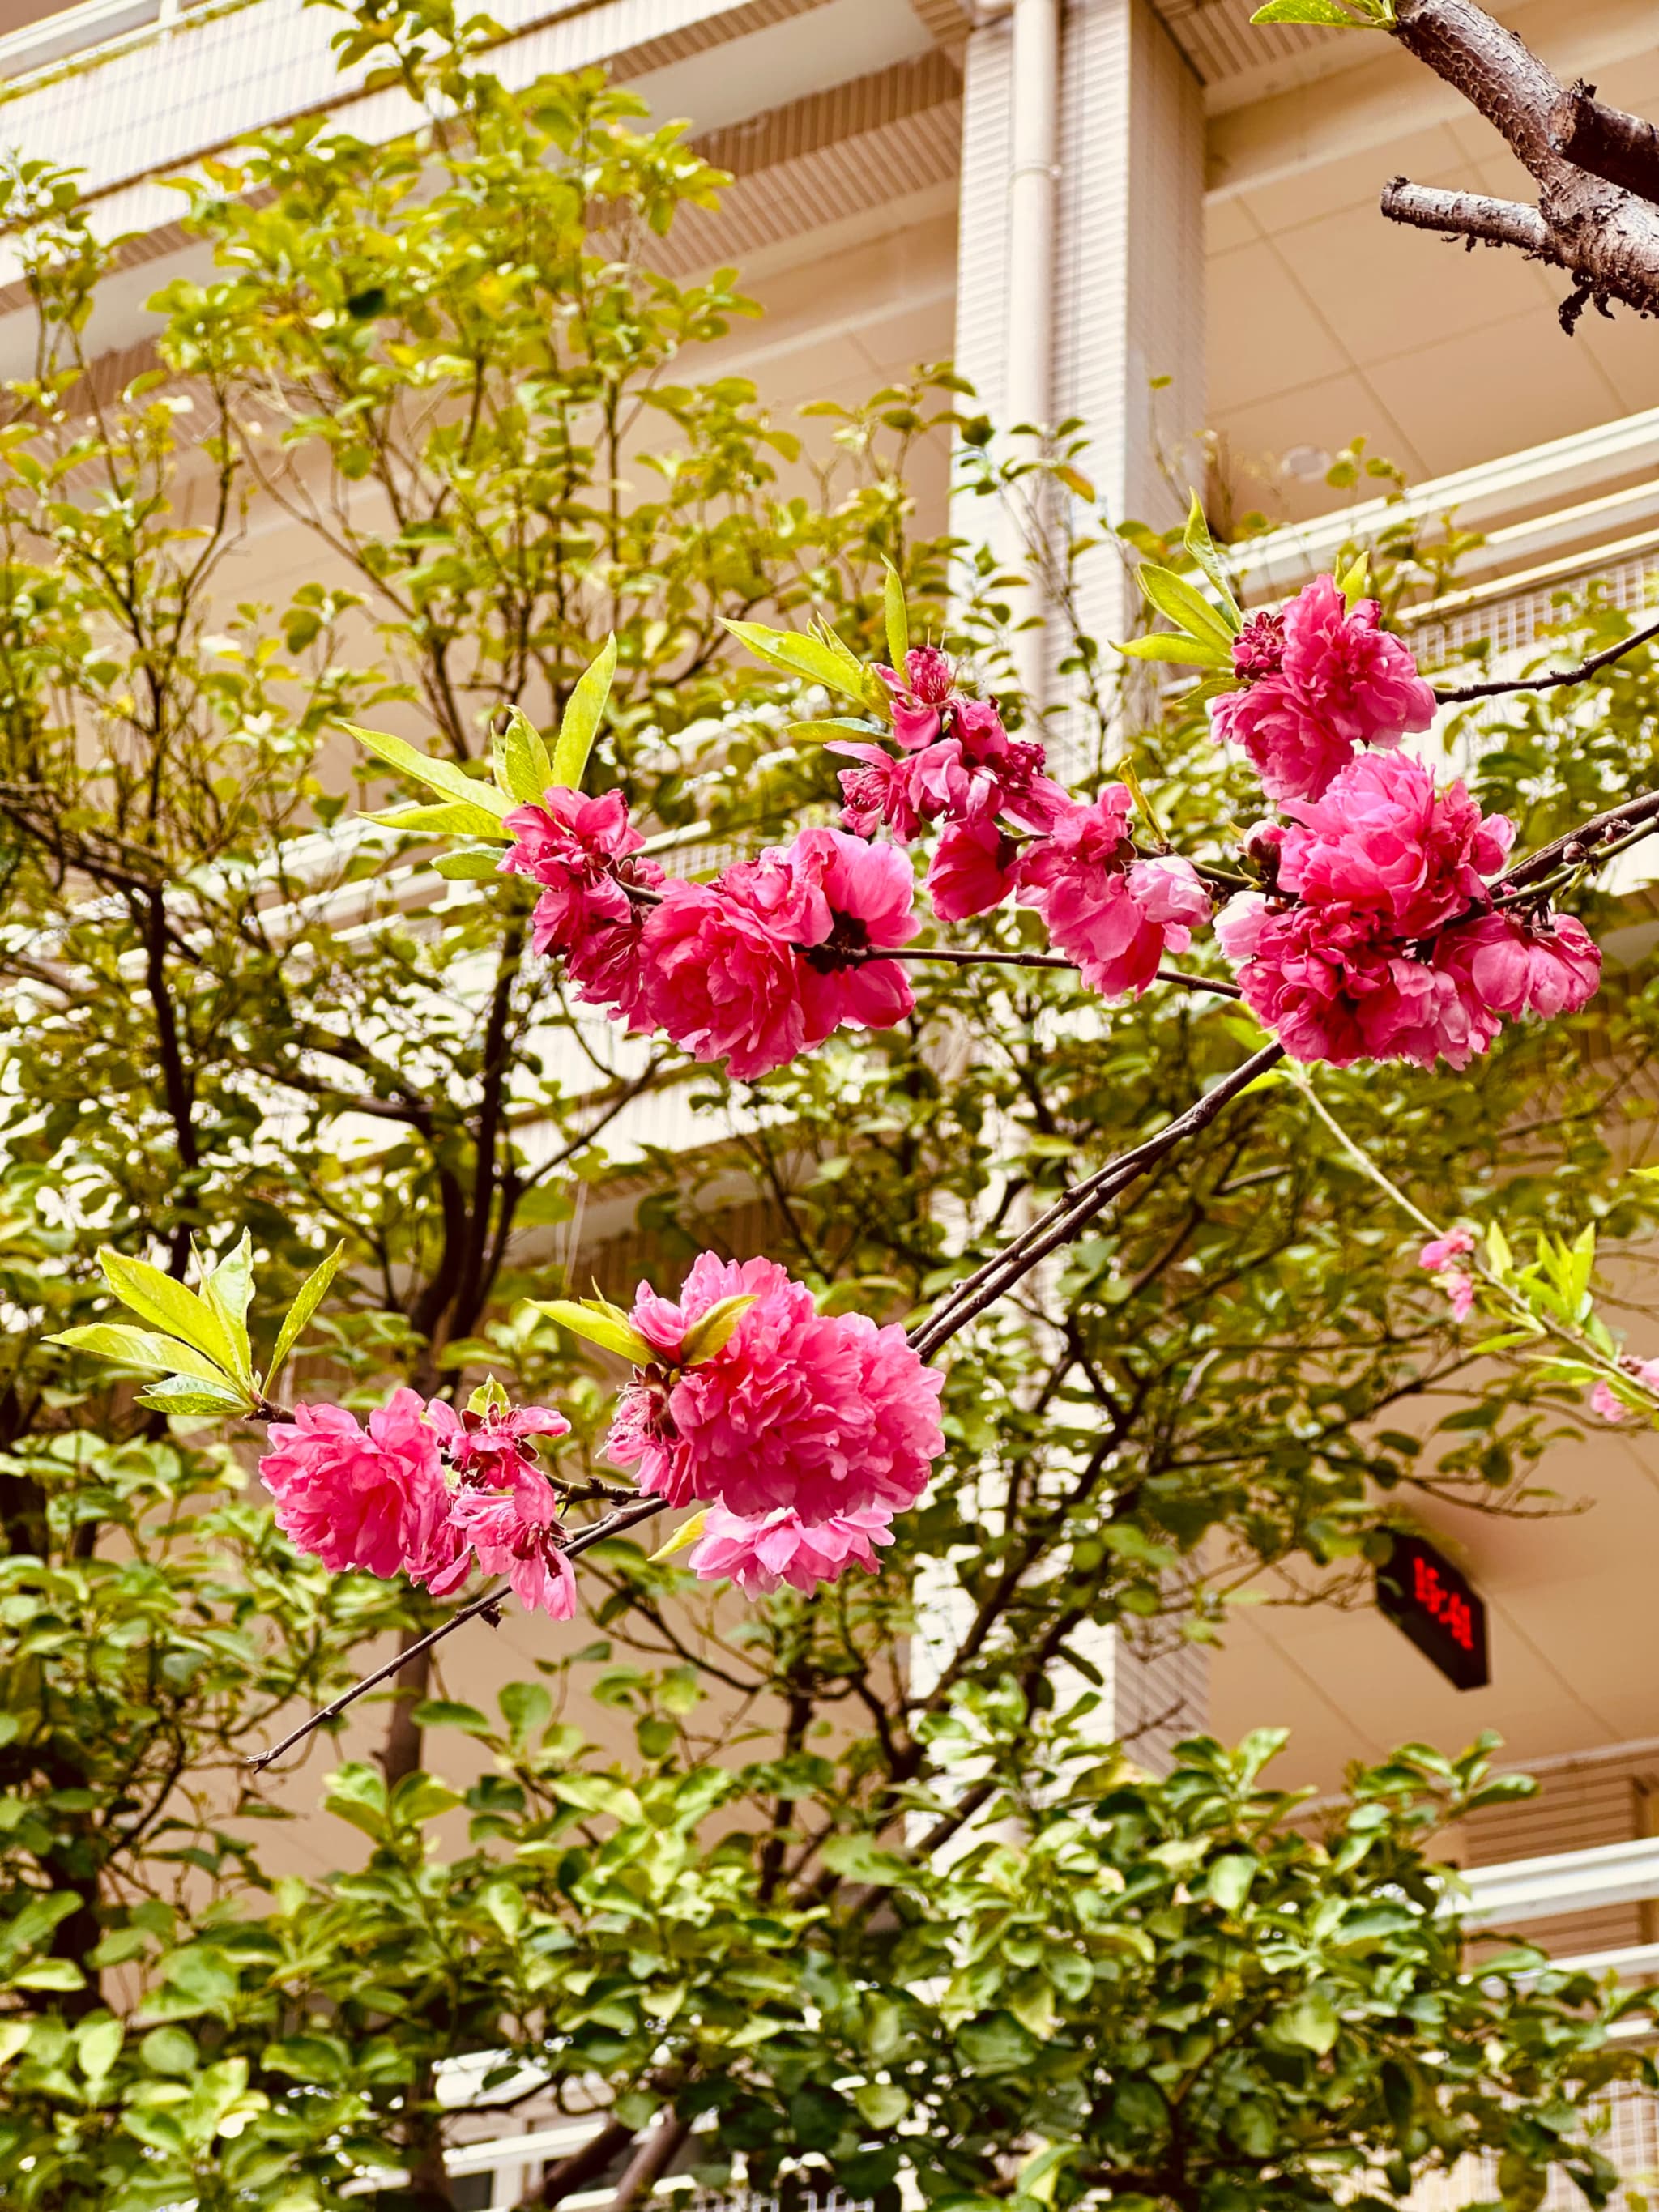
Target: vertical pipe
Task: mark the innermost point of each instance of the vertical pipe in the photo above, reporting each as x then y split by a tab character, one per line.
1033	205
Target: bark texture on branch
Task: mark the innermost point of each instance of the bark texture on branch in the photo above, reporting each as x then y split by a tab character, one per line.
1594	217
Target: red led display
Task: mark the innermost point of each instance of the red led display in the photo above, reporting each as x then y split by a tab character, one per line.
1434	1604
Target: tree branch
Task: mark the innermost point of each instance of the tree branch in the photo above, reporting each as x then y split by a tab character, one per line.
1476	216
1606	141
1557	677
1604	235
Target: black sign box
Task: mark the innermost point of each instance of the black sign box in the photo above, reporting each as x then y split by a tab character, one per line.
1422	1593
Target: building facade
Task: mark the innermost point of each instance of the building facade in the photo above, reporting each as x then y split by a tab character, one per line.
1152	216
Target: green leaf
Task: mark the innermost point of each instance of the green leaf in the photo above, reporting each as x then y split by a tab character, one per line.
97	2047
167	1305
228	1289
524	767
1188	610
1199	543
437	775
713	1331
1230	1878
14	2034
454	818
309	1297
49	1974
471	867
580	722
1356	584
182	1394
898	622
881	2104
1307	11
802	656
598	1323
826	732
443	1712
1311	2021
141	1348
1173	644
682	1538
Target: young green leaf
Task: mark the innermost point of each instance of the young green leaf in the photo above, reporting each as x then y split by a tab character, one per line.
802	656
682	1538
141	1348
452	817
523	766
1170	645
168	1306
442	776
898	622
310	1297
184	1393
1199	543
836	726
1308	11
228	1289
1188	609
598	1322
712	1332
1357	583
580	723
469	866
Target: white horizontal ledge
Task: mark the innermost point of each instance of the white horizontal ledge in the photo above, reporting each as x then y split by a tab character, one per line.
1520	1890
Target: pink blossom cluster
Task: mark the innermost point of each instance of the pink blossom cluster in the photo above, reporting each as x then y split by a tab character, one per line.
804	1433
1440	1255
379	1499
1320	680
754	969
1379	940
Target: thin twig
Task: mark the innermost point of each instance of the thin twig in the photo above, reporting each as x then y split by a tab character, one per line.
1557	677
625	1516
1029	960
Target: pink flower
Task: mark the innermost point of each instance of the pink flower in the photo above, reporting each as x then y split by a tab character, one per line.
866	895
1259	648
1294	753
764	963
515	1533
490	1447
377	1501
1461	1290
823	1414
761	1554
1333	985
972	870
921	696
1359	681
1440	1251
1609	1406
878	791
581	850
1113	914
720	981
1382	839
1515	966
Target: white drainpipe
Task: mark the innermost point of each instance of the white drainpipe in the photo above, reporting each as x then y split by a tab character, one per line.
1033	197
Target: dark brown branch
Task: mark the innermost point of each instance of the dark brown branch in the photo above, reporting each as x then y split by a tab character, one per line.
614	1524
582	2166
1606	141
1557	677
1606	237
650	2162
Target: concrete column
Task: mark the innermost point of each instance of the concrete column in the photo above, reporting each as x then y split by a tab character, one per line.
1127	270
1125	284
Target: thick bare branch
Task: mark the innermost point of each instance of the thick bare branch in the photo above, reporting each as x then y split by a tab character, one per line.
1476	216
1623	148
1604	236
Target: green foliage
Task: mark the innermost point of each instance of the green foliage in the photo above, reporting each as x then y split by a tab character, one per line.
791	1909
